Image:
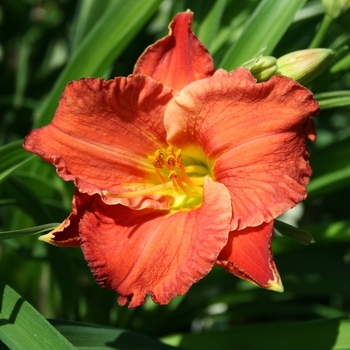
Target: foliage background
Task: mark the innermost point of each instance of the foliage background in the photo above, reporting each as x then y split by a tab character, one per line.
43	45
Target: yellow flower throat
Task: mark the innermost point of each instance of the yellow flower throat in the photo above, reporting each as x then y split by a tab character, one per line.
179	180
183	182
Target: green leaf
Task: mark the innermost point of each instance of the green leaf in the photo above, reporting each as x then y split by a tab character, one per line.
319	335
104	43
12	158
321	32
265	28
295	233
209	28
334	8
88	15
328	182
87	336
311	9
341	66
336	174
22	327
333	99
28	200
338	231
27	231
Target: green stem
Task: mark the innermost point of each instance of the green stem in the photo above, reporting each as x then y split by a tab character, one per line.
318	39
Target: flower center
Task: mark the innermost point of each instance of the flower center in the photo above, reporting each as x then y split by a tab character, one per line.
177	173
180	175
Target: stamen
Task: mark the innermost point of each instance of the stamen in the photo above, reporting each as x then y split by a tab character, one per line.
132	194
171	152
160	156
184	189
170	161
191	186
186	179
157	160
180	181
173	178
178	158
159	175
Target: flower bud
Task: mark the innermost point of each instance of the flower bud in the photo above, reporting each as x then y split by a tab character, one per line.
304	65
264	68
334	8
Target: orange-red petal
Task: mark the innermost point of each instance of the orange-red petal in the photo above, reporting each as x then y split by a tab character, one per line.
140	252
254	135
67	234
247	255
103	132
179	58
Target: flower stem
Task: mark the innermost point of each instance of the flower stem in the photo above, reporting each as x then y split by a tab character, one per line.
321	33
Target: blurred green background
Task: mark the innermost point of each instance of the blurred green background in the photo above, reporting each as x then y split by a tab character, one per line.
44	44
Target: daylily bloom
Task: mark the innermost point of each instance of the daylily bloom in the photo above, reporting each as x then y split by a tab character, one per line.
178	167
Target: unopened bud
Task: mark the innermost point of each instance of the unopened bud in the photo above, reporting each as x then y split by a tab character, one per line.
264	68
334	8
304	65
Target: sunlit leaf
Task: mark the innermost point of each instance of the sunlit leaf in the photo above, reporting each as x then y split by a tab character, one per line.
89	12
265	28
208	29
22	327
114	30
310	10
333	99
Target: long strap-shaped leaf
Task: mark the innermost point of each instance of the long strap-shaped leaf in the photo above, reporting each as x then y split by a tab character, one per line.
27	231
85	336
13	157
317	335
22	327
104	43
265	28
209	27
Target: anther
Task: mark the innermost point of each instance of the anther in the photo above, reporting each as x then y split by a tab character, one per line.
157	160
170	151
160	156
177	175
172	175
178	158
171	162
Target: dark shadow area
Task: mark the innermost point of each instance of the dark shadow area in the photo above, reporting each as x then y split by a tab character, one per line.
80	334
321	335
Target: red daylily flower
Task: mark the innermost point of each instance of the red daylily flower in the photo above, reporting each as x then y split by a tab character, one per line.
178	167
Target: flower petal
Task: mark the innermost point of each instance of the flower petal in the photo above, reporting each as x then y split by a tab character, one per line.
247	255
103	132
67	234
254	134
179	58
139	252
